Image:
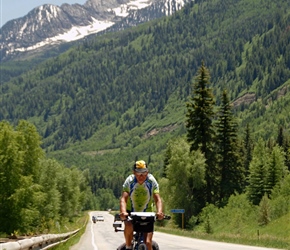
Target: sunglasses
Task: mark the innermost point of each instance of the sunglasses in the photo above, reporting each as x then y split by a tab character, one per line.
141	174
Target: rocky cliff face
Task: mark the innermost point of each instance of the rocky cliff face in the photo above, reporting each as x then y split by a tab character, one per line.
50	24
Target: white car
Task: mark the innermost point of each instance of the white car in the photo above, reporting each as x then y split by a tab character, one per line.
100	218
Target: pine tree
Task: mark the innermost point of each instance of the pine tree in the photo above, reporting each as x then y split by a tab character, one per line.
248	145
258	173
287	153
283	141
229	160
277	168
200	129
280	138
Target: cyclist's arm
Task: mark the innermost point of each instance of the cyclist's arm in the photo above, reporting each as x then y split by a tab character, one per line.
158	203
123	205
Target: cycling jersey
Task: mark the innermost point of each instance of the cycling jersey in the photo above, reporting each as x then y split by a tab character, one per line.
140	195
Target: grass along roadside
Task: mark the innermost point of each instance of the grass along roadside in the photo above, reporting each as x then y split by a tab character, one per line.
254	240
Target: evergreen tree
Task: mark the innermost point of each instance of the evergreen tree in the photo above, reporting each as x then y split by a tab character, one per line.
280	138
283	141
200	129
258	173
167	156
276	170
248	145
229	160
287	153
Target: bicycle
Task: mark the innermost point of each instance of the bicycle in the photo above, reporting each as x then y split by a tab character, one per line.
143	222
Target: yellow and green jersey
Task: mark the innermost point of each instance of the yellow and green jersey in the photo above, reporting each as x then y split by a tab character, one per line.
140	196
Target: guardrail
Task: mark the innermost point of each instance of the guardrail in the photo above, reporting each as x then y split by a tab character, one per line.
36	243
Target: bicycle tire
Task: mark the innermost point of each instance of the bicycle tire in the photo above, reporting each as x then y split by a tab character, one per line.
155	246
142	246
122	247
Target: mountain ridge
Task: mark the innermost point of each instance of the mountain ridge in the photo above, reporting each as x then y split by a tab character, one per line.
49	24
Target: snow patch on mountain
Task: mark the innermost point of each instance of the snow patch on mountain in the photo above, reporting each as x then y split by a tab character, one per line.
79	32
73	34
50	24
123	9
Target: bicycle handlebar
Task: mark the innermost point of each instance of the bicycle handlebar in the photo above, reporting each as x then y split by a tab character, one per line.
129	218
166	217
117	225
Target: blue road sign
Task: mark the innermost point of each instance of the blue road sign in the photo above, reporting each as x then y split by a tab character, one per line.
177	211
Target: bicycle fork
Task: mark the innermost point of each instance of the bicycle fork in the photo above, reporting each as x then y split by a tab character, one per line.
139	242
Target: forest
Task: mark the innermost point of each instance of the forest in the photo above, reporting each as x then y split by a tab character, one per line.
128	95
35	192
213	166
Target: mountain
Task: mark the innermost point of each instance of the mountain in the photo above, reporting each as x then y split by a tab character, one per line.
121	95
49	25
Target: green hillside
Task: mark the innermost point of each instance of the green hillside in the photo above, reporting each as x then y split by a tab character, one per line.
106	94
122	96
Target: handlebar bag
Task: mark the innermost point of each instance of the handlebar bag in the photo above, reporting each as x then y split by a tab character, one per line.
143	221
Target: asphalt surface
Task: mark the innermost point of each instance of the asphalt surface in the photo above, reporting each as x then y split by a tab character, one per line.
101	236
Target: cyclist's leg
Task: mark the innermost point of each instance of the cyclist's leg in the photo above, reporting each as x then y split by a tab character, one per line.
148	237
128	233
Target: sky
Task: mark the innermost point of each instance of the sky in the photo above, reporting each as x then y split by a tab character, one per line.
11	9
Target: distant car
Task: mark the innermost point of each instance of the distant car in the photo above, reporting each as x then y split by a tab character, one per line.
100	218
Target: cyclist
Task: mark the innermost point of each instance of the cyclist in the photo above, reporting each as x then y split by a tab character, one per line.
140	192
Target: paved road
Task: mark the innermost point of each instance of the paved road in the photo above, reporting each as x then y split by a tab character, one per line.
101	236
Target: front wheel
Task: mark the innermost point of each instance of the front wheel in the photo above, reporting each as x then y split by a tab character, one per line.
155	245
142	246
